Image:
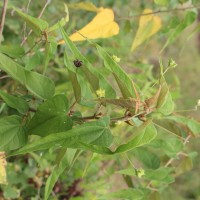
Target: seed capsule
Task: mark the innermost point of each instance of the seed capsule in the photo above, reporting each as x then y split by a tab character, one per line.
78	63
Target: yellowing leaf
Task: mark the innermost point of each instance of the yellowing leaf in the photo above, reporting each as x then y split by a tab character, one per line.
149	24
85	6
3	179
102	26
185	165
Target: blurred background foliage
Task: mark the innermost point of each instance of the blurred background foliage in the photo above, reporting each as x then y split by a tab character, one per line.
91	180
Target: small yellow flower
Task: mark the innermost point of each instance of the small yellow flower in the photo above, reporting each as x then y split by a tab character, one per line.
140	172
101	93
118	122
116	59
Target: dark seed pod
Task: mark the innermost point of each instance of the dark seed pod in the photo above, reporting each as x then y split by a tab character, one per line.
78	63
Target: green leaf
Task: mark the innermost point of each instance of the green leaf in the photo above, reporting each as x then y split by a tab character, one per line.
51	117
123	80
36	83
172	146
94	77
167	126
11	133
168	105
129	172
37	25
162	174
33	61
165	104
39	85
13	51
58	170
93	80
189	19
127	27
173	22
50	48
82	91
192	124
61	22
162	2
149	159
144	134
94	136
155	196
129	194
73	78
10	192
15	102
163	92
88	6
95	133
57	25
76	86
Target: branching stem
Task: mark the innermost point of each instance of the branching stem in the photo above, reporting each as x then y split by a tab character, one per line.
160	11
39	16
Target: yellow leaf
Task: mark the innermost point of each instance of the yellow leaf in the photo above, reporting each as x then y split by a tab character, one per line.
85	6
149	24
3	179
102	26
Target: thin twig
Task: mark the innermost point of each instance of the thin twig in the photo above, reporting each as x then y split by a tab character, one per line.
71	108
3	77
161	127
88	118
24	27
36	43
127	118
3	15
39	16
160	11
44	7
186	140
179	153
123	119
32	110
97	110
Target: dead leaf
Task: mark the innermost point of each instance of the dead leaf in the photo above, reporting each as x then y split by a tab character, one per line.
102	26
152	102
3	179
149	24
